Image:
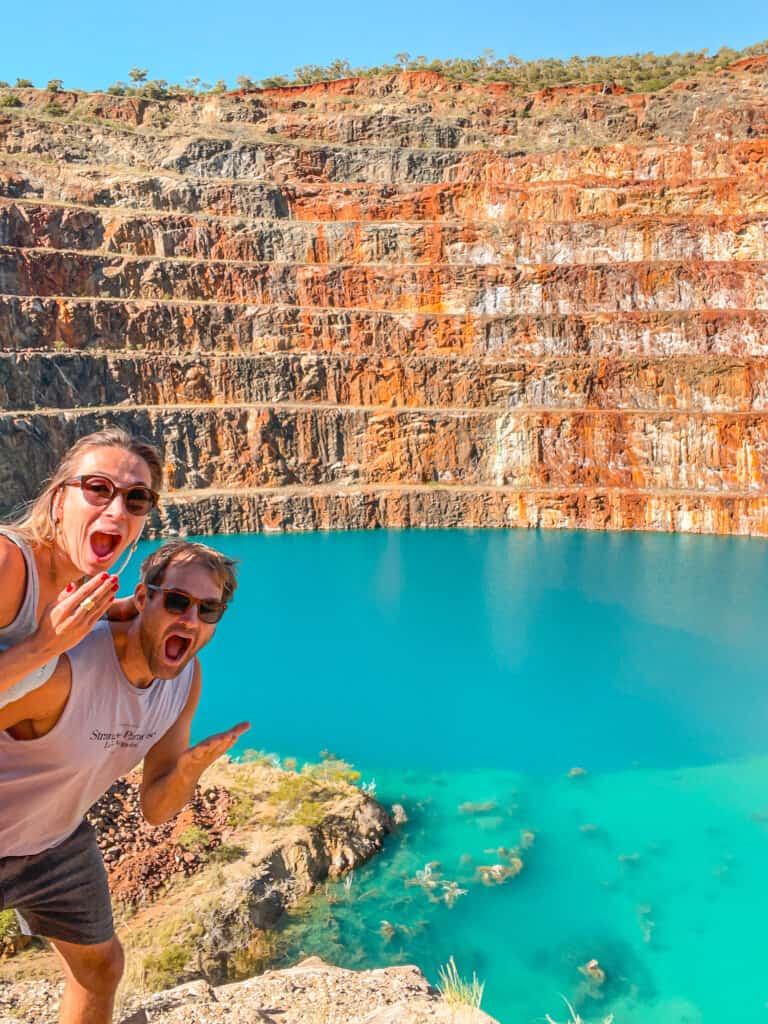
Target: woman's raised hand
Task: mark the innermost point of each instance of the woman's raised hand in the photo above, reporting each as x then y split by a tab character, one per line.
67	619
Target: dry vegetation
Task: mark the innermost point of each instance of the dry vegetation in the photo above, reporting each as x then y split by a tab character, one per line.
637	72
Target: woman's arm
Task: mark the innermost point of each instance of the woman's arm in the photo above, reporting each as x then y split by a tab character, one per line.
37	712
13	574
63	623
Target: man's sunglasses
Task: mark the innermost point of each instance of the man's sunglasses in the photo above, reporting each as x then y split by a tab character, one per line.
100	491
177	602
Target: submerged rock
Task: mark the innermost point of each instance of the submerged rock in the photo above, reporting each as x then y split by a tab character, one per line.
497	874
481	807
399	816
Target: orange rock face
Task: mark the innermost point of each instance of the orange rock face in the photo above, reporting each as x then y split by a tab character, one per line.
398	301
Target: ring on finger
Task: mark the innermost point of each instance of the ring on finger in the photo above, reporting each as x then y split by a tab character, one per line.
88	604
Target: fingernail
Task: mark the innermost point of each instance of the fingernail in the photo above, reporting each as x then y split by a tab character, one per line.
70	587
115	585
116	581
104	576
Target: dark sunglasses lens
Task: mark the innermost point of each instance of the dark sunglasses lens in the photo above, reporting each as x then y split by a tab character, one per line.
97	490
210	612
139	500
175	602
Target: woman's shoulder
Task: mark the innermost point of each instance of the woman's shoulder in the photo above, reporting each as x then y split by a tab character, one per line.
13	573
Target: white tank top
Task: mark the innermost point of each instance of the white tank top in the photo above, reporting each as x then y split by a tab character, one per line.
24	625
106	728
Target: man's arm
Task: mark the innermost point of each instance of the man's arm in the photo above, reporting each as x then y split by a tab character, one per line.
172	768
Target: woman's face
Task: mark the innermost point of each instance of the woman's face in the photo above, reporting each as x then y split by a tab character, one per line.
94	537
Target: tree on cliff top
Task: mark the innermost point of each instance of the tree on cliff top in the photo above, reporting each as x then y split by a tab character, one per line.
639	72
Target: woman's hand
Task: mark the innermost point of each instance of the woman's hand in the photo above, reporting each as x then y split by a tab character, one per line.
67	619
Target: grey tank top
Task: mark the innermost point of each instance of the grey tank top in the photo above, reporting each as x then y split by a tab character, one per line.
106	728
24	625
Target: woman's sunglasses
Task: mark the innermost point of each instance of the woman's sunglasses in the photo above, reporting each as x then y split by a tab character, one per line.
100	491
177	601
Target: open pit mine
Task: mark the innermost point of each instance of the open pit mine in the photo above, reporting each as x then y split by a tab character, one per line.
397	301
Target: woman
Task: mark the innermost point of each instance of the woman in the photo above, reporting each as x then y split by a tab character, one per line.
92	510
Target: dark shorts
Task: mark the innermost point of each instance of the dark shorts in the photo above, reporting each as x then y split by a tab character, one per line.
61	893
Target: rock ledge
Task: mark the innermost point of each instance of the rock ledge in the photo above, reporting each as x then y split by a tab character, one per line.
312	992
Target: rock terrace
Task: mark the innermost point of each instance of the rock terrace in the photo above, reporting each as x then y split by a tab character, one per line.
398	301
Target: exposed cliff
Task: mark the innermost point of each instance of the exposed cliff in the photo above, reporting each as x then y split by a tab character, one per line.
310	993
199	896
398	301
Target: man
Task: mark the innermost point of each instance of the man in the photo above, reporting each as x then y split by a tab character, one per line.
128	691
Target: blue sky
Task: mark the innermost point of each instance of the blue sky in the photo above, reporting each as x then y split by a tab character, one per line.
89	44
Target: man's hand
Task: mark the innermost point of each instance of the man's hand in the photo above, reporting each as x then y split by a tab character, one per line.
172	767
193	762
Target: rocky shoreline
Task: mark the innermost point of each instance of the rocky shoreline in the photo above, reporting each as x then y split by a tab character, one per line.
312	992
197	896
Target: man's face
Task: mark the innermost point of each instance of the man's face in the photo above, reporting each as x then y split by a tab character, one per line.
170	640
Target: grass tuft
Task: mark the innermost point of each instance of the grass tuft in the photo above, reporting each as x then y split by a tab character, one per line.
458	992
574	1017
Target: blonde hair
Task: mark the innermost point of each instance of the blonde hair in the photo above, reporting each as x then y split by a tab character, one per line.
37	523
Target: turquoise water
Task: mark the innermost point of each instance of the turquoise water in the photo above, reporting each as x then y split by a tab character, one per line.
480	667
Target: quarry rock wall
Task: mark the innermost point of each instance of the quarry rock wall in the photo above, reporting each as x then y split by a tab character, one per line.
399	301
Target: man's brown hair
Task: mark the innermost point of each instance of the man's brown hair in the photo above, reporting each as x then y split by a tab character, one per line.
155	566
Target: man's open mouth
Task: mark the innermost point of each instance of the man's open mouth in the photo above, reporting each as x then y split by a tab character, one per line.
103	544
176	646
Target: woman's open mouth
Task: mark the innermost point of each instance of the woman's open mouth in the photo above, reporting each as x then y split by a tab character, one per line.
176	646
103	544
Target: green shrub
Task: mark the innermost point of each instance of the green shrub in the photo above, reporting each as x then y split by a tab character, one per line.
195	839
11	101
653	84
331	769
8	924
226	854
309	814
240	809
293	798
54	109
24	83
260	757
162	970
157	89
